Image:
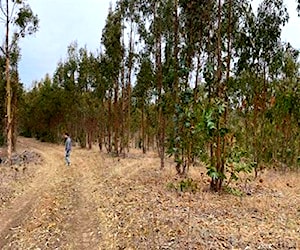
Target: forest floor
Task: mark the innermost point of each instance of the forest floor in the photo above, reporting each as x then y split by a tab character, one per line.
101	202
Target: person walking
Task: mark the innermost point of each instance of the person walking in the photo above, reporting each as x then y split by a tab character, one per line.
68	147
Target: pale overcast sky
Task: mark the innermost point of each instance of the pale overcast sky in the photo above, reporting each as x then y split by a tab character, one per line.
63	21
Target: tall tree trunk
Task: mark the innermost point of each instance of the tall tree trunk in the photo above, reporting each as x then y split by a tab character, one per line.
159	79
123	102
176	50
130	64
226	83
210	55
8	89
90	139
109	124
14	85
176	84
197	77
216	182
122	117
143	128
116	118
198	64
128	138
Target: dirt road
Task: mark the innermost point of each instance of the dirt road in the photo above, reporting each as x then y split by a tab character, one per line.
102	202
58	206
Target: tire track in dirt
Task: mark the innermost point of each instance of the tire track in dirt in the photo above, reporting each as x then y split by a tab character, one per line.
16	210
60	209
111	203
85	230
114	188
67	207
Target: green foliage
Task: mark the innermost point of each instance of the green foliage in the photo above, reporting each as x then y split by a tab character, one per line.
18	17
211	83
233	191
68	102
184	143
214	174
145	82
211	114
238	162
26	20
111	39
185	185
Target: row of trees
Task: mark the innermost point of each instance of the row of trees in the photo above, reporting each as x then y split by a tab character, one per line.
196	80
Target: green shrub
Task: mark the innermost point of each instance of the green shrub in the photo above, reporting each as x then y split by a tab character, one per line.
185	185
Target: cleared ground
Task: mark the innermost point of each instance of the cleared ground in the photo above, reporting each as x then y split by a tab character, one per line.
102	202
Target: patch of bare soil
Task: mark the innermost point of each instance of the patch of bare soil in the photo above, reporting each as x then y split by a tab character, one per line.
102	202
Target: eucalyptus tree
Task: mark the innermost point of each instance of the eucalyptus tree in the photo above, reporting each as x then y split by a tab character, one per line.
258	63
66	78
90	100
185	44
112	60
208	52
142	95
230	15
42	112
17	16
198	22
283	114
154	34
157	31
79	78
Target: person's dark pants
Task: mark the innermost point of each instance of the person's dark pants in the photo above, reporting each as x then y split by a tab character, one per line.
67	157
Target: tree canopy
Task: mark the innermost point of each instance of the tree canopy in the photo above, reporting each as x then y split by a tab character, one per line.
208	81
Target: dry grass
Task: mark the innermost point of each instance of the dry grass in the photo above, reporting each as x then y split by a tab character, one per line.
103	202
143	213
